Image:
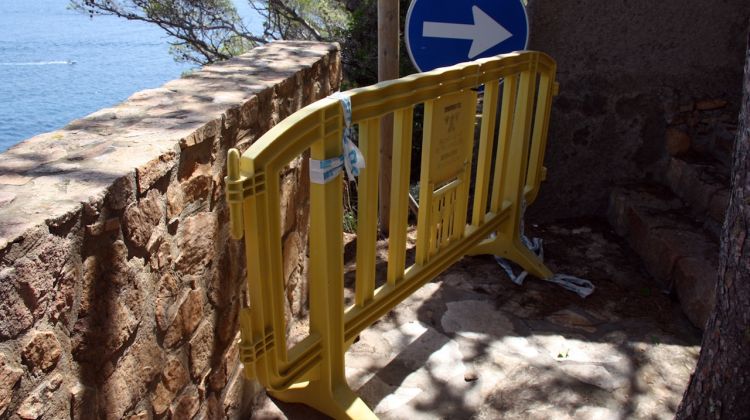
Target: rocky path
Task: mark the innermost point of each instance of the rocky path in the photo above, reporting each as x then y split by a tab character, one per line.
471	344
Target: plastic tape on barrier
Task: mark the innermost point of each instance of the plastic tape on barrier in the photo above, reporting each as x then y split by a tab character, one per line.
322	171
581	287
354	161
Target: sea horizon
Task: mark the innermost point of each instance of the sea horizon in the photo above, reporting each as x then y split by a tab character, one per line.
58	65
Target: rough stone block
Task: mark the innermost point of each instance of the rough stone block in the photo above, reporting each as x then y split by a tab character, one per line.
163	256
213	408
289	203
113	265
664	247
676	252
101	334
195	239
230	363
228	279
9	377
142	415
120	193
34	284
292	255
174	376
128	384
161	399
187	316
15	314
36	272
699	185
64	297
140	219
710	104
187	405
42	351
238	396
154	170
695	284
227	321
165	299
198	185
83	402
175	201
677	142
37	403
201	347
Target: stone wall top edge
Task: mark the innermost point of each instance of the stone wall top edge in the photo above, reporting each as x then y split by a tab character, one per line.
50	175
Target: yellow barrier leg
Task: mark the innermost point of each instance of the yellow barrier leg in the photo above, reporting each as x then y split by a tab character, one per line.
507	243
329	393
515	251
339	403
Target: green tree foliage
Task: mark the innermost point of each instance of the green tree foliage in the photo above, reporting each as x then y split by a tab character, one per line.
206	31
321	20
360	43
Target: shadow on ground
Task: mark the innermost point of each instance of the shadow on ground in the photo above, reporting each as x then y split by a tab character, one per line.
471	344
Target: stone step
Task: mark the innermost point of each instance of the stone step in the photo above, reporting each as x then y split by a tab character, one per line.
674	246
701	183
708	127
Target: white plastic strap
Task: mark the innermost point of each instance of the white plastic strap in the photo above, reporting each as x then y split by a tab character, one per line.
323	171
353	159
581	287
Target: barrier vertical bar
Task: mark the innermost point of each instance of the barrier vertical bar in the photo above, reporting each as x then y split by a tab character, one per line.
367	211
507	112
426	189
484	157
275	300
235	203
399	194
462	193
515	168
329	391
539	136
327	262
258	317
514	182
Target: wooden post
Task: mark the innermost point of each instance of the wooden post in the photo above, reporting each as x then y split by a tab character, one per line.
388	54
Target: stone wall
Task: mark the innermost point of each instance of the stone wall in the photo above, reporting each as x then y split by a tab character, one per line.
117	295
626	69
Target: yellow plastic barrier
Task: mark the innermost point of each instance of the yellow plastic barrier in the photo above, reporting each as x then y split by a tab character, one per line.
512	137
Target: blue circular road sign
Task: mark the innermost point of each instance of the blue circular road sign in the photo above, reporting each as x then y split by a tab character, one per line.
445	32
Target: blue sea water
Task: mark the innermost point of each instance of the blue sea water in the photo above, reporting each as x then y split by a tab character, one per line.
57	65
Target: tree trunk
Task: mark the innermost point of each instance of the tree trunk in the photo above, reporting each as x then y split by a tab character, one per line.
720	385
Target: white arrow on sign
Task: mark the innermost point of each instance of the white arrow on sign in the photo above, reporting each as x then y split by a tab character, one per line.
485	33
